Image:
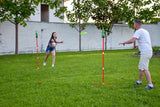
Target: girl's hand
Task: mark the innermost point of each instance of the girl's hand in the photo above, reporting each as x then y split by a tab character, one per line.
61	41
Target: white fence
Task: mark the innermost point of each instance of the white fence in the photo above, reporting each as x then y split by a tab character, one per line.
91	41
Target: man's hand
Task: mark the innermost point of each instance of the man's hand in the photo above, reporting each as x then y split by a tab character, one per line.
132	40
122	43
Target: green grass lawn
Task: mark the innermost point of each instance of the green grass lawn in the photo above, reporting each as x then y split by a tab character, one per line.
69	83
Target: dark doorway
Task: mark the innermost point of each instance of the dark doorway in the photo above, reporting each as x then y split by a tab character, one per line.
44	13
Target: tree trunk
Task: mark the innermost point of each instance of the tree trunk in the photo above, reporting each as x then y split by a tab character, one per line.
105	41
79	36
16	42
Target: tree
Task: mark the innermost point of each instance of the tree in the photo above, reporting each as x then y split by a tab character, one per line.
79	15
105	14
145	10
16	11
108	12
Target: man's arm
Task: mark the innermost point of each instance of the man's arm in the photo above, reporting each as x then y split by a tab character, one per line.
129	41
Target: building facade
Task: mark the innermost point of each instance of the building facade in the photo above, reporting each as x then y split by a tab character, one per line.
45	14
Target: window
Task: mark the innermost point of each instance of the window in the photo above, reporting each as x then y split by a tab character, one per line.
44	13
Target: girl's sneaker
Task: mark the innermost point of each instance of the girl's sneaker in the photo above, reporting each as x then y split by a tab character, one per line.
44	64
137	83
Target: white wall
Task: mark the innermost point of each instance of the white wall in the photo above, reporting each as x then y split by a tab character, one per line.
154	31
91	41
120	33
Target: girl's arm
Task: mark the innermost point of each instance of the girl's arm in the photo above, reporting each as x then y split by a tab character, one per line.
59	42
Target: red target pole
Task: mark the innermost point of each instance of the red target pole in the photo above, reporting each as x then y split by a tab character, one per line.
97	83
103	35
37	50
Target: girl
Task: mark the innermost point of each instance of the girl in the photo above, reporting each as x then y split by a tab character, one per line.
51	48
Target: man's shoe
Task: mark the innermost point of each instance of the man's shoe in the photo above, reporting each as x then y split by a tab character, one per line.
149	87
137	83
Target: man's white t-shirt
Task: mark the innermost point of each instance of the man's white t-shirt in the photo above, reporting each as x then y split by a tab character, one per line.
144	41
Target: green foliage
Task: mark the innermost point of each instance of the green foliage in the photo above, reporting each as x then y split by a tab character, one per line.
79	15
17	11
156	50
144	10
105	13
59	12
81	9
81	12
69	83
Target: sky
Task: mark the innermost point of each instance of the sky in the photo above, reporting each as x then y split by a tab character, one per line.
68	4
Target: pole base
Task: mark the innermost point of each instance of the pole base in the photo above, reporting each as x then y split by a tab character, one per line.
100	84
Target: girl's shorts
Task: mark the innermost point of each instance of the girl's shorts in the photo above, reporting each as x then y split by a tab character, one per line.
49	49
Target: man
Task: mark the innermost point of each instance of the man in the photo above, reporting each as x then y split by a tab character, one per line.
145	48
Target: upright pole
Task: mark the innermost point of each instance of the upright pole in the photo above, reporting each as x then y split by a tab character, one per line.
37	50
99	84
103	35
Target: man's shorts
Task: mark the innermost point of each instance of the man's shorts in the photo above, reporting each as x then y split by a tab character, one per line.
49	49
144	61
